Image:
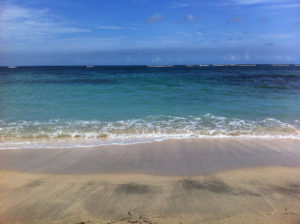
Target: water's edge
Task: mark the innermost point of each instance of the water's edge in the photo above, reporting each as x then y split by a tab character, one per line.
69	134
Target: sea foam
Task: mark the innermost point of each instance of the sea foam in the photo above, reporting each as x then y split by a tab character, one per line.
71	133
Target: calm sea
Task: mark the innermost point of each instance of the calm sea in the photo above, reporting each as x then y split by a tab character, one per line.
80	106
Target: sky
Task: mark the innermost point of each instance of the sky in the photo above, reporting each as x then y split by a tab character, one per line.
143	32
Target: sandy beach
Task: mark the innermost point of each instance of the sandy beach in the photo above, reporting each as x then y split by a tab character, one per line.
173	181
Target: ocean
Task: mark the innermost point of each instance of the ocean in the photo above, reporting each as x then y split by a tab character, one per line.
79	106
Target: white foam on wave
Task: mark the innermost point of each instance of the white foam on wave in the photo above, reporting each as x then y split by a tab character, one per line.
66	133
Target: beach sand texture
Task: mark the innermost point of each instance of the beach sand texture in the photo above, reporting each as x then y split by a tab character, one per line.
176	181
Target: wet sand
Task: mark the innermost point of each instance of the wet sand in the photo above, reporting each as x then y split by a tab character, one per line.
177	181
171	157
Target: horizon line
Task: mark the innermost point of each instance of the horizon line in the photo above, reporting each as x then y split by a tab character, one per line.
150	65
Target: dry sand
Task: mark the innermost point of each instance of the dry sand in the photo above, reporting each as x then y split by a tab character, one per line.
178	181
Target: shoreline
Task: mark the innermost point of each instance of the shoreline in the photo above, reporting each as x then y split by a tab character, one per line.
171	157
86	143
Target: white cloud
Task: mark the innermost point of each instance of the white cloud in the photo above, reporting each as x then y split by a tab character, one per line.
20	23
176	5
110	27
270	4
11	13
132	27
190	18
155	18
279	36
252	2
284	57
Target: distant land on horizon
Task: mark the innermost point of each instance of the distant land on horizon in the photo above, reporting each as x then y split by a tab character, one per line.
153	66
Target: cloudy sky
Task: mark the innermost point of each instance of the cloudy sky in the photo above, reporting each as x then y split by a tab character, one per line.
126	32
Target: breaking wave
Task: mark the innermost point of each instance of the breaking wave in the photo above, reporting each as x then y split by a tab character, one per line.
72	133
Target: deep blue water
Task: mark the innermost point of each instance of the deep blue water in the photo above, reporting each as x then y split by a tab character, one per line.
106	103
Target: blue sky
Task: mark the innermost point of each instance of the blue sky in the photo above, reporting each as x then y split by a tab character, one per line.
135	32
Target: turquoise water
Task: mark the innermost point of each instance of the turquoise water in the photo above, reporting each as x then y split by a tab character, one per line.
68	106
